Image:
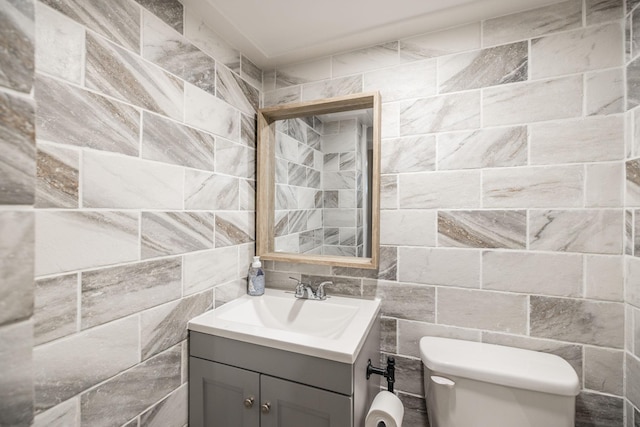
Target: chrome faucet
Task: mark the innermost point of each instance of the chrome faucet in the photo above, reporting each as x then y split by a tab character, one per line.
305	290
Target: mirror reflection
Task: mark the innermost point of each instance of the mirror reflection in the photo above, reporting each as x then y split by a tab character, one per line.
323	175
318	181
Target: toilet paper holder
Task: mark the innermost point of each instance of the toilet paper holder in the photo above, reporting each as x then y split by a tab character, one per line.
389	373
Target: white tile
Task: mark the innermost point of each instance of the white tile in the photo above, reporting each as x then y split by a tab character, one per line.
408	227
305	72
67	241
605	277
59	45
409	154
446	267
205	270
390	126
577	51
604	91
113	181
330	88
198	32
413	80
604	185
591	139
440	190
528	102
459	111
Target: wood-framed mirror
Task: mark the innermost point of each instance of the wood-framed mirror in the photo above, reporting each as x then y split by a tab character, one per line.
318	182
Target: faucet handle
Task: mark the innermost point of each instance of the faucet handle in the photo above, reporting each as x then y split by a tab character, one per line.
299	287
320	292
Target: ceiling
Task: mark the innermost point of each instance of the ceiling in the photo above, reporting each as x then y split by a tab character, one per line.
279	32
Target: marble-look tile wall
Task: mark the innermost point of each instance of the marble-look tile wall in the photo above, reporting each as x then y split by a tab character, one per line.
17	198
143	178
632	218
503	192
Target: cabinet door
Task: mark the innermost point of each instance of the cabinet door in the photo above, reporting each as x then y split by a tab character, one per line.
296	405
218	395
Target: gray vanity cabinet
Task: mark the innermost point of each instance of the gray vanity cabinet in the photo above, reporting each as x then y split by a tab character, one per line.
238	384
225	396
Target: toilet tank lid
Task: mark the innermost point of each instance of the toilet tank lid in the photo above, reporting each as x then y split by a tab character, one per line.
497	364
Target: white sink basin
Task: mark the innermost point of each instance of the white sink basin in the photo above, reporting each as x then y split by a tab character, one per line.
332	329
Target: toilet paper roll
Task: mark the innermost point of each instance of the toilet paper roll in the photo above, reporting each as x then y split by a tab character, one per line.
386	411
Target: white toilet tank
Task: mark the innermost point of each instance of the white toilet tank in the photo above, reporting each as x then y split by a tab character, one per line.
471	384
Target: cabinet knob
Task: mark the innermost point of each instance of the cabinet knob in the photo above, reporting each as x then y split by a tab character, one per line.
266	407
248	402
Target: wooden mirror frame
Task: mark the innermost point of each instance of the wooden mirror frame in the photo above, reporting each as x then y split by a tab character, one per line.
265	203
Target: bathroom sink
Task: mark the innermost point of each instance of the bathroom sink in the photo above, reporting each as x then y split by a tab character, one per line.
332	329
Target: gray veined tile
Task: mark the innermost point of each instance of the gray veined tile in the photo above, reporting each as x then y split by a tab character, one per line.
209	191
330	88
598	409
544	20
67	367
132	391
201	106
65	414
59	45
604	370
628	232
305	72
581	321
116	292
585	231
71	240
251	73
170	11
114	181
633	83
633	182
171	142
17	143
408	227
486	67
403	300
123	75
282	96
410	333
168	233
483	148
577	51
389	192
458	111
248	133
118	20
235	159
57	180
365	59
409	154
234	228
172	411
236	91
73	116
56	308
16	265
165	326
605	184
16	393
483	229
430	190
632	379
205	37
598	11
17	31
171	51
439	43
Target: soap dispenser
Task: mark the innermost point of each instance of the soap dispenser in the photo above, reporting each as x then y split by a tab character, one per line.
255	278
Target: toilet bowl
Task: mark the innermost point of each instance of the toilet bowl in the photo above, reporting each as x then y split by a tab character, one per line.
471	384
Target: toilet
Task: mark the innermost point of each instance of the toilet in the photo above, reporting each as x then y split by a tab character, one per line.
471	384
